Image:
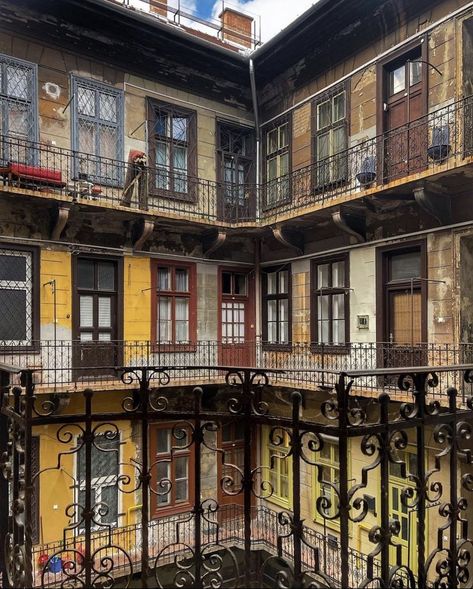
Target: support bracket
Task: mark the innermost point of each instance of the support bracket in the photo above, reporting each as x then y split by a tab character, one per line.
213	240
289	237
59	217
352	223
435	201
140	232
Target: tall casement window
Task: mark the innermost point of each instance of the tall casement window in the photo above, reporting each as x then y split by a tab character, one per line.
331	138
277	143
174	303
236	170
172	460
97	131
277	306
172	150
18	290
330	301
278	465
18	110
327	479
104	477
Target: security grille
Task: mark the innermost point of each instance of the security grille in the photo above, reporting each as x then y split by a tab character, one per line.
17	109
16	297
98	132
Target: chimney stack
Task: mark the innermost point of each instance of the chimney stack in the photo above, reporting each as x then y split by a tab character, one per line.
240	25
159	7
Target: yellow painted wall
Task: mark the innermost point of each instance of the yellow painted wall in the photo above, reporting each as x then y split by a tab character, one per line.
56	265
137	298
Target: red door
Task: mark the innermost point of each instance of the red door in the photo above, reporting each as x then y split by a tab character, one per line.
405	127
236	327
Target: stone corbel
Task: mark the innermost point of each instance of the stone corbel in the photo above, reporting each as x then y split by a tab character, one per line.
59	217
213	240
289	238
352	223
435	201
141	231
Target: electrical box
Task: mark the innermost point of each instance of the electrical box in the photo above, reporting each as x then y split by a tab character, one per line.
363	321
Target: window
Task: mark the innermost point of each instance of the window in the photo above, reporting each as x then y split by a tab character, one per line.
104	477
329	299
398	75
17	292
172	149
277	306
234	311
173	465
97	131
277	155
327	478
174	303
18	110
331	138
232	442
278	471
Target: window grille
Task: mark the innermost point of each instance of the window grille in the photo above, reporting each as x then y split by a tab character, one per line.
18	109
98	132
16	298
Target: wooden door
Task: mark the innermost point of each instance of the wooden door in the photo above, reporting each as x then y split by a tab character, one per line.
405	132
96	349
236	318
230	465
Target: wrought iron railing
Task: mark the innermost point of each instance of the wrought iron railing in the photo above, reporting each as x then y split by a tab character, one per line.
214	546
62	366
434	143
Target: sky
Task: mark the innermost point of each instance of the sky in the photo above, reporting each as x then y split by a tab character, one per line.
275	14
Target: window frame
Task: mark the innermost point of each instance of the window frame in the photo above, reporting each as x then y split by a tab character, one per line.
266	462
343	123
191	294
331	347
331	464
35	300
173	507
278	346
76	117
277	124
154	107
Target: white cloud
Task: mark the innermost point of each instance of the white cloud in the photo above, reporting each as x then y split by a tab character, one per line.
275	14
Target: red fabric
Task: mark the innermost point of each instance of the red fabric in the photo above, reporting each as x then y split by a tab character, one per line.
36	173
135	154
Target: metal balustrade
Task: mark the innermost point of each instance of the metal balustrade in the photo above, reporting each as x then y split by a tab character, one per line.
435	143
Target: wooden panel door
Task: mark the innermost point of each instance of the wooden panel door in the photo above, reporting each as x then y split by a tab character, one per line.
406	133
236	318
96	349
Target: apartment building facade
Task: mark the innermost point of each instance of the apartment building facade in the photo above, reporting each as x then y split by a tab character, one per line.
172	198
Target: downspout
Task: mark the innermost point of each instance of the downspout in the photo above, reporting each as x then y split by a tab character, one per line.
257	242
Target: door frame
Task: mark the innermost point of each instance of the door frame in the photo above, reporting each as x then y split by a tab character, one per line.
120	298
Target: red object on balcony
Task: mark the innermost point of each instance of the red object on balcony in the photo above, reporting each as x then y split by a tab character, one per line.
38	174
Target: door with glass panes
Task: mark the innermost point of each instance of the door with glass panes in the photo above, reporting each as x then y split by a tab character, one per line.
236	321
96	310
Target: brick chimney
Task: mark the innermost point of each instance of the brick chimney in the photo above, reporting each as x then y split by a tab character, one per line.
239	23
159	7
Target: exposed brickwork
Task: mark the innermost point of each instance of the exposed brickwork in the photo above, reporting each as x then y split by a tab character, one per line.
239	23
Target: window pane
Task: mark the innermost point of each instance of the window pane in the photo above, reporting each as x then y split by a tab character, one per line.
284	164
17	82
283	136
161	125
85	274
272	168
86	101
338	306
323	275
240	284
324	114
105	312
182	280
226	283
181	490
180	158
179	438
338	107
181	467
397	80
164	435
405	266
283	282
106	276
164	279
105	337
162	157
86	336
283	310
272	141
13	323
338	274
164	319
182	319
323	146
338	330
271	306
415	72
107	107
272	282
323	307
12	268
339	140
86	311
179	128
284	332
110	498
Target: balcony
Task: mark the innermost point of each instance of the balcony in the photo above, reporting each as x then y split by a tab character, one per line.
245	543
68	366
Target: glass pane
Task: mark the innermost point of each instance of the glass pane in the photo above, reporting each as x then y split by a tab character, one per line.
323	306
339	140
86	101
17	82
164	279
164	319
272	283
284	332
323	275
283	310
323	146
180	158
272	168
162	157
85	274
415	72
323	331
338	330
87	138
227	433
107	107
12	268
324	114
179	438
164	446
397	80
240	284
271	308
272	331
107	145
272	141
182	280
283	136
338	274
405	266
109	496
181	467
181	491
283	282
182	320
86	336
161	125
179	128
105	337
284	164
106	276
226	283
338	107
338	306
105	312
13	323
86	311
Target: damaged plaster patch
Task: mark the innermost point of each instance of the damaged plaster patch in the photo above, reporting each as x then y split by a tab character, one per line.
52	90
